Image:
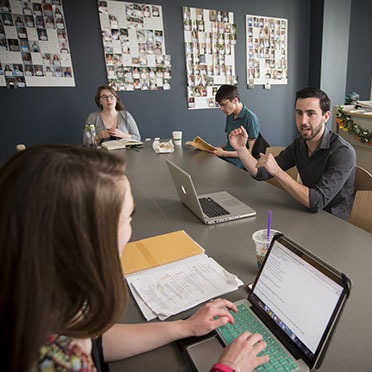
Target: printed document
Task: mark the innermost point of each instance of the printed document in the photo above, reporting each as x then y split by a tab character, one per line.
173	288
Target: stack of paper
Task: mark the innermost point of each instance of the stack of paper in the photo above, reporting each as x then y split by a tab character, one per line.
186	278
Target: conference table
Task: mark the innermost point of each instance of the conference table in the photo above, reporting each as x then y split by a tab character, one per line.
159	211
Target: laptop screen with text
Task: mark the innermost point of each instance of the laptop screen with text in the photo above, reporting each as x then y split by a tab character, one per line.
299	295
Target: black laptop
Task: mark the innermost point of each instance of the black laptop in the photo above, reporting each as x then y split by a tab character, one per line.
295	302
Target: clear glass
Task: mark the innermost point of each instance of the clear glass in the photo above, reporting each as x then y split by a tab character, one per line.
89	136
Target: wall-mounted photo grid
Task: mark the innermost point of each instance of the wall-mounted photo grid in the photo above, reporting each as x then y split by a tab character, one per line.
210	39
266	50
134	46
34	48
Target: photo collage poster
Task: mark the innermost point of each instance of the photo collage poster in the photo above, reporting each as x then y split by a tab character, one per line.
267	53
210	39
34	47
134	46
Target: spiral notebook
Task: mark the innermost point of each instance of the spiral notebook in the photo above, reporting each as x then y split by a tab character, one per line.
170	273
158	250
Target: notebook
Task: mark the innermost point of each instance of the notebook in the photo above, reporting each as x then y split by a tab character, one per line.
120	144
157	251
200	144
210	208
296	299
160	268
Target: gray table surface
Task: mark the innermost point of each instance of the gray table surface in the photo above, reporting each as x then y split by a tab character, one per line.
158	211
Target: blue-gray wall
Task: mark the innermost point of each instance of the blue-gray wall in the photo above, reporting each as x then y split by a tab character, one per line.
56	115
359	70
335	41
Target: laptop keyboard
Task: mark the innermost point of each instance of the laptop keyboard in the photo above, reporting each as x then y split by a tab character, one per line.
211	208
245	320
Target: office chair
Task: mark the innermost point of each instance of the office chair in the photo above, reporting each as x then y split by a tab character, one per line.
363	179
361	213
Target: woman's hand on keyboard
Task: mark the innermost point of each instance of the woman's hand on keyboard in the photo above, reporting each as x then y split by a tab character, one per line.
211	316
242	353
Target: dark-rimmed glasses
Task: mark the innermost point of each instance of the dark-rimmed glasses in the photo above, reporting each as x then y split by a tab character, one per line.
110	97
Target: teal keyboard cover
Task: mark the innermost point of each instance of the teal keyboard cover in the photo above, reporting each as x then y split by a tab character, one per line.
245	320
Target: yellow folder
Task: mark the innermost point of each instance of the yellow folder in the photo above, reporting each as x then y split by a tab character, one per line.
158	250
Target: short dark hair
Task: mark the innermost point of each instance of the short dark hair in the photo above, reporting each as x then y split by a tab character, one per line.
227	92
60	267
309	92
119	105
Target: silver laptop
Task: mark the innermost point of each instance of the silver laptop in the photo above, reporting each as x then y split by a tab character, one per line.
210	208
296	300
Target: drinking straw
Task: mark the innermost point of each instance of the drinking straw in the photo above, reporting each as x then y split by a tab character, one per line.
268	224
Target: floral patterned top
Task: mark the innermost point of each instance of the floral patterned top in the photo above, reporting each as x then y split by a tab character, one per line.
62	354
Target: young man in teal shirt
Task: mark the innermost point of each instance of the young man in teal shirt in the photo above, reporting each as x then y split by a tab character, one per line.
237	115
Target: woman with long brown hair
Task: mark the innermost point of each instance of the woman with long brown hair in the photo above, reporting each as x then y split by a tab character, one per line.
65	216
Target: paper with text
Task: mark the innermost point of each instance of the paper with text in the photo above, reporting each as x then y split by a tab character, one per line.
200	144
174	288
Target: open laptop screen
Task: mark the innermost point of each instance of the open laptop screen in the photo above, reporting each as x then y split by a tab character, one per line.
300	294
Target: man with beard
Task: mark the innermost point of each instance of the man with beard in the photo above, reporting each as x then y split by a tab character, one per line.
325	161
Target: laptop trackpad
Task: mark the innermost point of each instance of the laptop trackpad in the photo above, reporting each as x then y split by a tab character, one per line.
204	353
230	203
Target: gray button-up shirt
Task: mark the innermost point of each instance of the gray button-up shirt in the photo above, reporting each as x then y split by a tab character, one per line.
329	173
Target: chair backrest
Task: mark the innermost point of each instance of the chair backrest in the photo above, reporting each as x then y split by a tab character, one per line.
363	179
275	150
260	146
361	213
293	172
